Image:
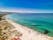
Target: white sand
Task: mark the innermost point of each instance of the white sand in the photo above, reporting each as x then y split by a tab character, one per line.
29	34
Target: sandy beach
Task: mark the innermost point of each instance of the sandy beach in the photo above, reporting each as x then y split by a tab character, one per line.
29	34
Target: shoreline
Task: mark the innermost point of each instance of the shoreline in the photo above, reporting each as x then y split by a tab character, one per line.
29	34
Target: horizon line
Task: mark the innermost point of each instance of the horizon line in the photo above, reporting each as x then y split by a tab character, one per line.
24	10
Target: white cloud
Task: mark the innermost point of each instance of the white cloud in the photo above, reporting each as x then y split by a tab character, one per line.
22	10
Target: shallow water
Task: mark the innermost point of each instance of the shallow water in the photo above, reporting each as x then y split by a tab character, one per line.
42	22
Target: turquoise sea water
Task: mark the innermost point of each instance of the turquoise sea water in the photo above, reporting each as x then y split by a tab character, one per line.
42	22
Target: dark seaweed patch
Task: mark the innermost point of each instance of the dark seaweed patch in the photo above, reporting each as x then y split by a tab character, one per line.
46	32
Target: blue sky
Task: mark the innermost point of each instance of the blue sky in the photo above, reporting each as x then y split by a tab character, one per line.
28	4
